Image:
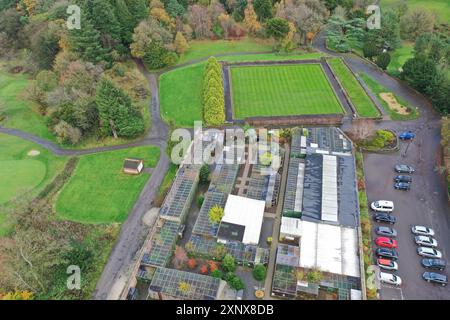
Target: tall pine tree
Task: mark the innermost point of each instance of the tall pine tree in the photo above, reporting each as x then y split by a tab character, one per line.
118	116
104	20
86	42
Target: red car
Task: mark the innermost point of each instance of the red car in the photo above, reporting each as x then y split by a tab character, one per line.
386	242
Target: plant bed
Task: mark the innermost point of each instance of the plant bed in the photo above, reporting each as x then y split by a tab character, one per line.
381	141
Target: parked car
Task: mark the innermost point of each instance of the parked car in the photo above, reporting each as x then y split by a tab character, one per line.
390	278
402	186
429	252
403	178
425	241
386	242
421	230
384	217
404	168
382	206
386	253
408	135
386	231
387	264
240	295
435	278
435	264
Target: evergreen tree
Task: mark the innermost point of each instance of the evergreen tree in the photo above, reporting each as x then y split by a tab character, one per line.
174	8
104	20
125	19
263	9
87	44
383	60
118	116
138	10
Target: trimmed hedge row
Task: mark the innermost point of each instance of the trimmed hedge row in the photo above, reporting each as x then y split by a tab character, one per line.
213	96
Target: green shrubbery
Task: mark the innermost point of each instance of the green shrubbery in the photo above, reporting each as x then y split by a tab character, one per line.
213	98
382	139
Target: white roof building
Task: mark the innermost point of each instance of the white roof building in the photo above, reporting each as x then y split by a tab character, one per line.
242	220
329	248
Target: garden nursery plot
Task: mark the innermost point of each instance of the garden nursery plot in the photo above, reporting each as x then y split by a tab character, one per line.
282	90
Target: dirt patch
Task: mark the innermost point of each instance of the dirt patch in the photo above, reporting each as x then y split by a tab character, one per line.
33	153
393	103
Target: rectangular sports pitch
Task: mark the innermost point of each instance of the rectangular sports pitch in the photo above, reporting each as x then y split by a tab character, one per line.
282	90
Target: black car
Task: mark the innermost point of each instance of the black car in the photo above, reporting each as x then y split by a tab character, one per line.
384	217
402	178
387	253
435	278
435	264
402	186
404	168
386	231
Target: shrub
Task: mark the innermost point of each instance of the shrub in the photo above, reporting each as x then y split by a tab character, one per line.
216	214
314	276
200	200
217	274
228	264
212	266
204	173
383	60
259	272
234	281
204	269
192	264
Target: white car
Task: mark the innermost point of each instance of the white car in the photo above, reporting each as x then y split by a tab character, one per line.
429	252
390	278
423	231
425	241
382	206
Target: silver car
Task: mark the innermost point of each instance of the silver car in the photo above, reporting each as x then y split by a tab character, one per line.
425	241
429	252
423	231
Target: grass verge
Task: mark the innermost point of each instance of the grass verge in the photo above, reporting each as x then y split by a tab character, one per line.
99	192
364	106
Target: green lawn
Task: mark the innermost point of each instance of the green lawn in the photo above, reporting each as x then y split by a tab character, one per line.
281	91
180	89
99	192
399	57
364	106
440	7
377	88
23	176
199	49
180	95
20	113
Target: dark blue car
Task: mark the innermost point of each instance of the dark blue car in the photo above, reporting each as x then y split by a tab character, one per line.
402	186
409	135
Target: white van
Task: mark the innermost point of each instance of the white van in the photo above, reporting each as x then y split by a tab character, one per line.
382	206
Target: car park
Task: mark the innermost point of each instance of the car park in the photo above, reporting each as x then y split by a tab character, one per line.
386	253
382	206
434	264
404	168
386	242
386	231
421	230
402	186
429	252
384	217
403	178
390	278
408	135
425	241
387	264
435	278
